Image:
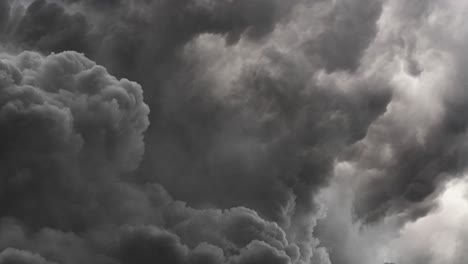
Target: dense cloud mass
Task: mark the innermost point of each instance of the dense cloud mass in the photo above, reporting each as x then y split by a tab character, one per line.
251	132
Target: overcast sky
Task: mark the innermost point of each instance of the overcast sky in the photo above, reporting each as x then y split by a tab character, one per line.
233	131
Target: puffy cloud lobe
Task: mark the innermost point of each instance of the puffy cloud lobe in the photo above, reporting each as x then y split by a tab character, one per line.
59	116
14	256
150	245
211	233
46	26
259	253
185	235
234	236
104	112
230	230
54	245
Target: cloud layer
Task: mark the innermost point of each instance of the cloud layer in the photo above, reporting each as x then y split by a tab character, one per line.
280	132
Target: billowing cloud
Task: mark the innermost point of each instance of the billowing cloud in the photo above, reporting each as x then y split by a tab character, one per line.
10	256
61	116
350	27
71	132
287	132
419	143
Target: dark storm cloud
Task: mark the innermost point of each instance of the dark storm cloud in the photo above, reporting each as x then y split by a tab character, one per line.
238	240
138	40
101	5
349	29
13	256
288	133
244	139
400	168
408	179
134	36
186	18
417	169
274	127
278	127
4	14
60	115
273	131
45	26
69	131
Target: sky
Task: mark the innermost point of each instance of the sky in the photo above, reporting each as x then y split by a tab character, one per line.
233	131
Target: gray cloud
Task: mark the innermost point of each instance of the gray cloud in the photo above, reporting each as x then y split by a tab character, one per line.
253	104
409	163
349	29
70	132
46	26
13	256
60	116
5	15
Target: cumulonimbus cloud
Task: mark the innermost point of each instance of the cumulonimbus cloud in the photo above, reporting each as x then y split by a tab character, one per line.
255	107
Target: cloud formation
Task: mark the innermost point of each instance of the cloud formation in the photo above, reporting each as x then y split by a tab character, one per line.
71	131
62	115
281	132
